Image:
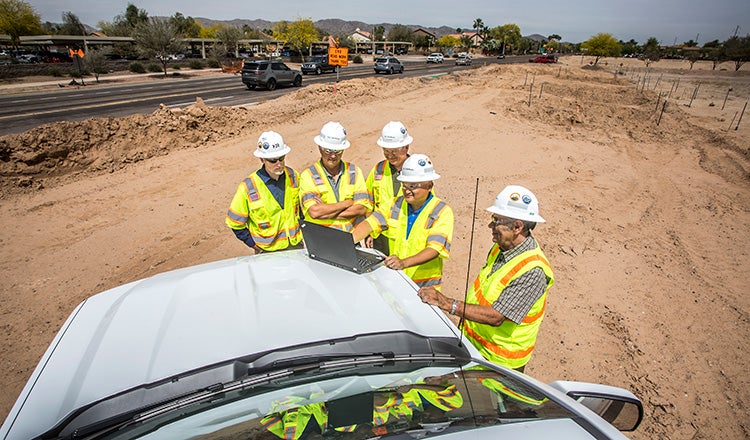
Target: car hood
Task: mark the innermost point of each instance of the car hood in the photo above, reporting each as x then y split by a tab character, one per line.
182	320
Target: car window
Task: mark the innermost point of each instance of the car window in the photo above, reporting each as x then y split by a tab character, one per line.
393	60
279	66
256	66
381	60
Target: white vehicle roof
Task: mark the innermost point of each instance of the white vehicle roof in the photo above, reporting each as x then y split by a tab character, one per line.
183	320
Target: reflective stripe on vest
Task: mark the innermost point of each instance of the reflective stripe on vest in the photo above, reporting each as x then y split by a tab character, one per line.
508	344
499	387
380	170
286	232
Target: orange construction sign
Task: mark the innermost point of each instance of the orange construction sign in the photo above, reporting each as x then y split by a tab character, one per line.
76	53
338	56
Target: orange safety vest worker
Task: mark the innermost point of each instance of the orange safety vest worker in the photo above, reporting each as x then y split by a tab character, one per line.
314	187
432	228
509	344
255	208
380	184
291	424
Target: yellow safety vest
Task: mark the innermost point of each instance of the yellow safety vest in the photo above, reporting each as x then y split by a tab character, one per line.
289	425
433	228
315	186
499	387
509	344
380	184
254	207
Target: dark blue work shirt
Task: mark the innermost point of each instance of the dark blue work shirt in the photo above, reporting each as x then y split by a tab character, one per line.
413	214
275	186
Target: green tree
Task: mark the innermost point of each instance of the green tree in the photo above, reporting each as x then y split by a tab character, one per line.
71	25
509	35
651	51
737	49
601	45
629	47
18	18
298	34
95	62
466	42
187	26
124	24
399	32
378	33
478	25
448	42
158	38
229	37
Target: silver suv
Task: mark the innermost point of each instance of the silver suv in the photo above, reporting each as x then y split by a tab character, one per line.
269	74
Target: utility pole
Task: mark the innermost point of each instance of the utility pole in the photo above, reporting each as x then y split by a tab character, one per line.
736	29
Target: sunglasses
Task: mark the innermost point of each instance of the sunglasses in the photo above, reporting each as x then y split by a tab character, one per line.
501	221
413	186
276	159
336	152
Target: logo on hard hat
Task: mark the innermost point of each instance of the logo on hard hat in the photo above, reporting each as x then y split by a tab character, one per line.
403	130
264	145
422	162
514	197
526	199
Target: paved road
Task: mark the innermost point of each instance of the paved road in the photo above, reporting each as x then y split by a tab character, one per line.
25	110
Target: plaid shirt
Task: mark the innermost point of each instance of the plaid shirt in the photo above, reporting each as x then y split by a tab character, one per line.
519	296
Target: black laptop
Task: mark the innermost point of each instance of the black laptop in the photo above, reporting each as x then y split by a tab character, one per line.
335	247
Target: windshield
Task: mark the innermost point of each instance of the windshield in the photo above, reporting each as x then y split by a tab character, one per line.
381	60
359	401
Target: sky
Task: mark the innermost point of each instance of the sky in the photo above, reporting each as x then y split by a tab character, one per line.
669	21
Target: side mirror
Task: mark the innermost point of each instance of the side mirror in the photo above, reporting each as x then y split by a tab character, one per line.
623	414
618	406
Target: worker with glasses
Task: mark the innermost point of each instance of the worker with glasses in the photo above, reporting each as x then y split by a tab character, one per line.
418	224
265	210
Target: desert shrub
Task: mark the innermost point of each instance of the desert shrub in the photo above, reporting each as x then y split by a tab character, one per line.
175	67
195	64
137	68
214	63
56	72
153	67
357	59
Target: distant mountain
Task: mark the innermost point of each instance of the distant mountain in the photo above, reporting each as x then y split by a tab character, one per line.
333	26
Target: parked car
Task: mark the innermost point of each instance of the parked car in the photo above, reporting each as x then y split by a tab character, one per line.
388	65
247	347
317	65
548	58
435	58
501	56
400	51
463	60
269	74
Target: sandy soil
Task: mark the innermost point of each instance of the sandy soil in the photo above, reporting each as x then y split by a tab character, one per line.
647	208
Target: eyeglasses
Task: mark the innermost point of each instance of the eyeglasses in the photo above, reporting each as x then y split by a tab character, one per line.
393	151
413	186
276	159
501	221
336	152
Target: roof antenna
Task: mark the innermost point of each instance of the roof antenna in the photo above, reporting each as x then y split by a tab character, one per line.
468	266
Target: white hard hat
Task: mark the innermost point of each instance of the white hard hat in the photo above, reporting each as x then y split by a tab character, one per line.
332	136
518	203
271	145
418	168
394	135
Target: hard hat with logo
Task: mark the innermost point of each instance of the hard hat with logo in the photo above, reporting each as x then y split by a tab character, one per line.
271	145
394	135
518	203
418	168
332	136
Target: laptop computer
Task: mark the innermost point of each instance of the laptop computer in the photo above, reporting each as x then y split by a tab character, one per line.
335	247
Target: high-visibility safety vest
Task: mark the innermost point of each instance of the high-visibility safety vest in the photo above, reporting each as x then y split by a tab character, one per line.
433	228
314	187
291	424
508	344
380	184
254	207
501	388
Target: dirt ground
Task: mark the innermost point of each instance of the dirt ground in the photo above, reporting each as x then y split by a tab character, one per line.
647	208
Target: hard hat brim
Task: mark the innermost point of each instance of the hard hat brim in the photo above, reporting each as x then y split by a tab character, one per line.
423	178
272	155
323	144
406	141
516	215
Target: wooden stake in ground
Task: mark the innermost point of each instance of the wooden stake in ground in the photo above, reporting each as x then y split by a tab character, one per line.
740	119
